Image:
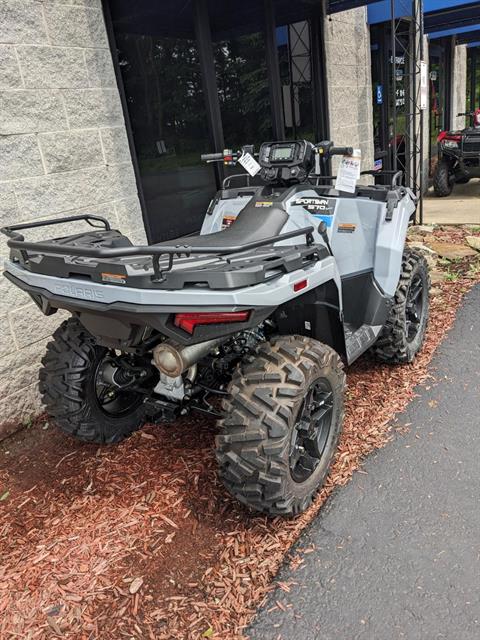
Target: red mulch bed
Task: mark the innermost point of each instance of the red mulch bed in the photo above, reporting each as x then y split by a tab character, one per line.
141	541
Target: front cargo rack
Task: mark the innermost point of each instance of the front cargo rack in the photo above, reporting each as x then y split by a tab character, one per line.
83	255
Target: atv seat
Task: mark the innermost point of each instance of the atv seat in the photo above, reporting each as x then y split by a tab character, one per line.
252	224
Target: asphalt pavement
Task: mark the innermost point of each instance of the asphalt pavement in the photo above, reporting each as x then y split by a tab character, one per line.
397	551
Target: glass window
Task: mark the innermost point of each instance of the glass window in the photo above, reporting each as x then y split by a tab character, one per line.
160	66
294	56
473	79
163	87
243	90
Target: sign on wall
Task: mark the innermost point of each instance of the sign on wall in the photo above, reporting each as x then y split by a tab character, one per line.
423	85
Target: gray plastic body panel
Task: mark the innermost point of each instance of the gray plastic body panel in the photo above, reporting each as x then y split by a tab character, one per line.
361	237
267	294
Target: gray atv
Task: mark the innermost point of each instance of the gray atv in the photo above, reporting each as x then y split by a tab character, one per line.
250	321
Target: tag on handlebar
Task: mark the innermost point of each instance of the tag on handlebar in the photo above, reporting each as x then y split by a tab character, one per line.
349	172
249	163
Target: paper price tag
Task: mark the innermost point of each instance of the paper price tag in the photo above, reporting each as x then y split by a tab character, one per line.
349	172
249	163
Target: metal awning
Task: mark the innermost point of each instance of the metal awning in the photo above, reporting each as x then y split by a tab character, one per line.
471	38
334	6
441	15
464	35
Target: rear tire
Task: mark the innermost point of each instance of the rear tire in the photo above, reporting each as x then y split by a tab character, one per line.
68	387
443	180
404	332
283	418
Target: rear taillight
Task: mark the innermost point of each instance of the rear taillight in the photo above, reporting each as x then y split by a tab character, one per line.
444	135
302	284
188	321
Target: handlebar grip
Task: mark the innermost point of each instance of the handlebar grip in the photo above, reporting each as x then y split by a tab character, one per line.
205	157
341	151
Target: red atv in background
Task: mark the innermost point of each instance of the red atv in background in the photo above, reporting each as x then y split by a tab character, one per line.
458	156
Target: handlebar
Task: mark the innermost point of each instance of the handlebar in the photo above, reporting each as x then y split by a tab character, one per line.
233	156
211	157
341	151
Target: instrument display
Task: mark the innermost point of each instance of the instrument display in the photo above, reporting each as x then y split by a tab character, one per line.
282	153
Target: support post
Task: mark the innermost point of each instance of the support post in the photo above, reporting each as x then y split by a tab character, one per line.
207	68
274	80
319	73
393	28
473	77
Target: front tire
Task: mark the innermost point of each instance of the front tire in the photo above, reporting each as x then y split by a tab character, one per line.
443	180
404	332
74	396
283	418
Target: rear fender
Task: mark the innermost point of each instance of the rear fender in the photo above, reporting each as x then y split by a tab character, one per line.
316	314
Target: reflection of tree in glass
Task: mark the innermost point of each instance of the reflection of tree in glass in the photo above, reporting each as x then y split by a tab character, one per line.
242	81
163	85
164	89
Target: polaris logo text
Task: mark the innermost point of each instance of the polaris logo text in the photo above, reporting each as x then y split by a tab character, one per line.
78	292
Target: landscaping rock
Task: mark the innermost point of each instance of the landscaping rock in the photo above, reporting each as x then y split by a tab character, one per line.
425	230
423	248
451	251
414	238
474	242
436	276
420	231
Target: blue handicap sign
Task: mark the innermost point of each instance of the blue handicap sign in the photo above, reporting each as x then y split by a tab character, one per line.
379	93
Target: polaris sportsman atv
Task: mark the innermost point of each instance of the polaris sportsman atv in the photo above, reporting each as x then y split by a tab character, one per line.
286	282
458	156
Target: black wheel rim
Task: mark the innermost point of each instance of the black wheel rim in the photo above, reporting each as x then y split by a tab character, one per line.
414	307
111	387
311	430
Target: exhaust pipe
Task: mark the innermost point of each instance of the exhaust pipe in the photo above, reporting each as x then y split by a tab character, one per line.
173	359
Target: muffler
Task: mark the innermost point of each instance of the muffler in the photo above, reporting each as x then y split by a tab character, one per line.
173	359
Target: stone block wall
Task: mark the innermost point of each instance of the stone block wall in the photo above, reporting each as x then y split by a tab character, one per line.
63	151
459	86
349	76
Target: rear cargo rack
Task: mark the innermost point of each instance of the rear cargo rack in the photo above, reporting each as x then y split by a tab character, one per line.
17	241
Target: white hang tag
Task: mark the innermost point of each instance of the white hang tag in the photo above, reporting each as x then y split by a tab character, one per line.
249	163
349	172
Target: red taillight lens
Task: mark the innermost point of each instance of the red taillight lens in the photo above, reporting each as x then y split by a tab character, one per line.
302	284
449	136
188	321
454	138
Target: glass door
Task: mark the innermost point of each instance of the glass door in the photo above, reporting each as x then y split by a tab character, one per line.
160	67
437	97
390	95
295	63
199	72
